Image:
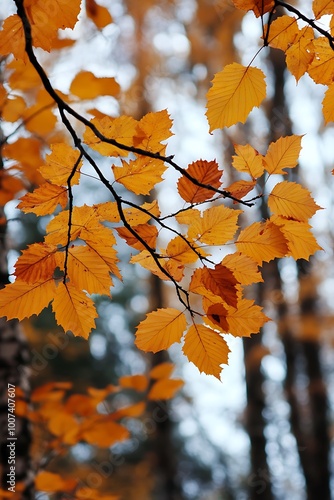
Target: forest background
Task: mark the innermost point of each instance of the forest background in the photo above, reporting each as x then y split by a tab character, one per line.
104	420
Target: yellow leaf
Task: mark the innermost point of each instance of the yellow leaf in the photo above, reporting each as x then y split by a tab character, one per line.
217	226
206	349
301	242
300	54
162	370
37	263
293	201
74	311
234	93
282	32
98	14
322	7
88	86
44	200
248	160
102	246
141	215
243	267
136	382
87	271
179	250
321	69
146	260
205	172
120	129
21	300
60	163
328	104
283	153
152	129
160	330
262	242
245	319
165	389
140	176
49	481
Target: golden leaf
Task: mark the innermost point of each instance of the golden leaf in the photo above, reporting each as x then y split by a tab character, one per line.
321	69
246	318
160	330
140	176
88	86
136	382
283	153
322	7
102	431
283	32
147	232
234	93
243	267
293	201
301	53
248	160
44	200
217	225
301	242
37	263
262	242
60	163
164	389
206	349
74	311
152	129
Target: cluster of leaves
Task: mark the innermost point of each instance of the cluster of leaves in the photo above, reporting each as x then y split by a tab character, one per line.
78	255
62	418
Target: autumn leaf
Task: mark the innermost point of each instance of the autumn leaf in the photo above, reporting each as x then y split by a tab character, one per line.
282	154
74	311
87	271
282	32
239	189
37	263
262	242
160	330
322	7
244	268
205	172
60	163
259	7
52	482
98	14
248	160
216	314
216	226
300	240
44	200
12	39
86	85
101	431
21	300
246	319
162	370
140	176
136	382
152	130
301	52
146	232
321	69
164	389
221	282
206	349
328	104
234	93
291	200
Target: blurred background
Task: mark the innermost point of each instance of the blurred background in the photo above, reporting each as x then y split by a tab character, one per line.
265	431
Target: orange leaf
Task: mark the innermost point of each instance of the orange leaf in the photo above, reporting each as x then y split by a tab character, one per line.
140	176
206	349
102	431
259	7
160	330
9	187
321	69
12	39
136	382
87	271
147	232
243	267
37	263
246	319
293	201
217	313
301	242
234	93
21	300
49	481
179	250
74	311
283	154
262	242
205	172
98	14
221	282
248	160
239	189
64	425
44	200
165	389
59	165
162	370
88	86
141	215
322	7
217	225
301	53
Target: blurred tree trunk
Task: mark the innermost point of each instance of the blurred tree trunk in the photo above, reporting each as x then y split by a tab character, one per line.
14	359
